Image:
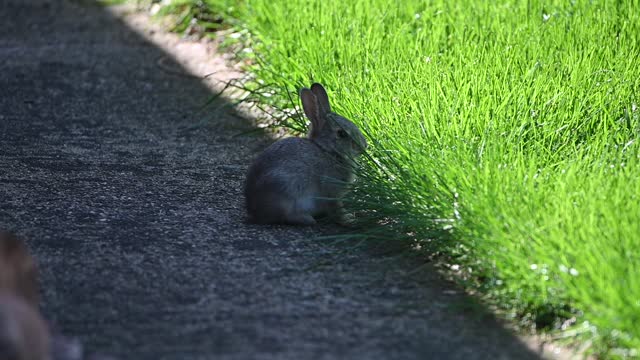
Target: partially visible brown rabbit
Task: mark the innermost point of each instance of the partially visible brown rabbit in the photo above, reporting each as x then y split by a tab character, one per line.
19	273
23	331
296	179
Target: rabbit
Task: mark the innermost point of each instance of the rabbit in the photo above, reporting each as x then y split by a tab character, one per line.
24	334
18	269
297	179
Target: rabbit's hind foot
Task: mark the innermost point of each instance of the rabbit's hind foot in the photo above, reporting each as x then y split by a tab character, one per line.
300	219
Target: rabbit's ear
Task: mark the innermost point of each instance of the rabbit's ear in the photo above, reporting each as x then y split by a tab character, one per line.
313	111
323	99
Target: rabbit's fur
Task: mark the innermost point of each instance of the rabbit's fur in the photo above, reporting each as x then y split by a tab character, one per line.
296	179
18	269
23	332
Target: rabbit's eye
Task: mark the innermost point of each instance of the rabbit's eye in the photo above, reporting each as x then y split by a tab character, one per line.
342	134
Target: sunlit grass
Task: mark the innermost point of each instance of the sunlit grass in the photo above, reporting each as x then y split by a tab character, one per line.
504	137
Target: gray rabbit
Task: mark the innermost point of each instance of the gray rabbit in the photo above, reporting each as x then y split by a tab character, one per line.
296	179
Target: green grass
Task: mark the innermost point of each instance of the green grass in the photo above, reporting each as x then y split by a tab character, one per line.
504	138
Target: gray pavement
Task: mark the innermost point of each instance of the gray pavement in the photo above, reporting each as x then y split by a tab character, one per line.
137	218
